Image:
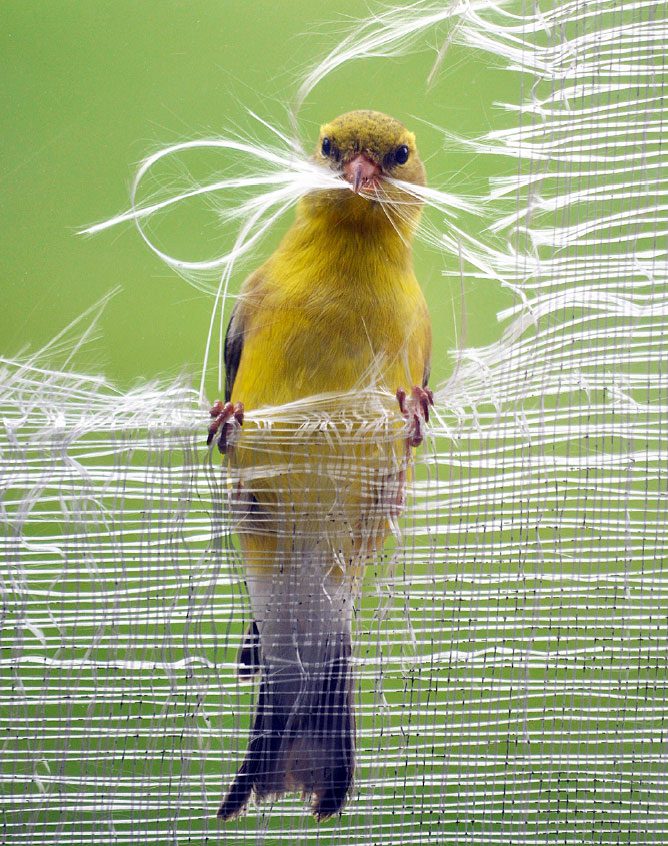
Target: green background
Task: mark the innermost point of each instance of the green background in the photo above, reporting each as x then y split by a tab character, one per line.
90	88
565	748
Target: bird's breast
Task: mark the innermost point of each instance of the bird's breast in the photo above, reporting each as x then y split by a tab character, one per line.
328	338
336	311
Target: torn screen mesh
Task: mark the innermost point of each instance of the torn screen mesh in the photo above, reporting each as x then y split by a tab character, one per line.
510	641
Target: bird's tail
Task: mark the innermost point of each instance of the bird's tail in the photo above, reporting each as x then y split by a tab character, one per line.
303	734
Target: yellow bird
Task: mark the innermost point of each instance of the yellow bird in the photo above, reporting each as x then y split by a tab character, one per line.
335	310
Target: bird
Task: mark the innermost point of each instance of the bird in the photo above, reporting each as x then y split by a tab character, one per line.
336	309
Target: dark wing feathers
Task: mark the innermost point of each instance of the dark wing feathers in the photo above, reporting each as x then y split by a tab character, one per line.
234	344
425	375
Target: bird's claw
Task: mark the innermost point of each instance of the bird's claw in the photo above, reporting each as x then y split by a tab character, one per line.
227	420
415	409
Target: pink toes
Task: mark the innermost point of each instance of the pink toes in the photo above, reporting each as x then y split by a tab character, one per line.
227	418
416	410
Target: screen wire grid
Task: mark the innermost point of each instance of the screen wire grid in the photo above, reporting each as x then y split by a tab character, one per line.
511	648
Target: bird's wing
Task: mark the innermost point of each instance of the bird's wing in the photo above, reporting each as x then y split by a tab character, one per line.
241	319
427	371
234	344
427	346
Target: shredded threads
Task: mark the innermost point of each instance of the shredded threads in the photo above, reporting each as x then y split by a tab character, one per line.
511	647
276	179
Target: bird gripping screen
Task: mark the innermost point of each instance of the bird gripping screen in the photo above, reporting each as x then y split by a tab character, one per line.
509	636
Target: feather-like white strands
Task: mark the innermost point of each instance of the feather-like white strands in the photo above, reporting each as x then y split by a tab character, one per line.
513	663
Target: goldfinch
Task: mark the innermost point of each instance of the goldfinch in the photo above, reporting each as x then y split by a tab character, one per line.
336	309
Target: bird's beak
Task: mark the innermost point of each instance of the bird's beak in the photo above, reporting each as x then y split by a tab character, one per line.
361	172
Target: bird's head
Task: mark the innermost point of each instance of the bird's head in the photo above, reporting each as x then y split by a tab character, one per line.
368	150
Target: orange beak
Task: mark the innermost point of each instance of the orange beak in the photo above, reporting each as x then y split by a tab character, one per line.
361	172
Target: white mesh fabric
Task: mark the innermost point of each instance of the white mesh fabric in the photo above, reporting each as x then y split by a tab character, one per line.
511	651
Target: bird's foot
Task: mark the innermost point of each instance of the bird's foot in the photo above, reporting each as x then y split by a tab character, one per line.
415	409
227	420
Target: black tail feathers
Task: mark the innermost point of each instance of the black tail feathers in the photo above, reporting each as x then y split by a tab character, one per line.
248	660
303	736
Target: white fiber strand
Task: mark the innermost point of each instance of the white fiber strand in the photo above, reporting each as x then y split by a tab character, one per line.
512	647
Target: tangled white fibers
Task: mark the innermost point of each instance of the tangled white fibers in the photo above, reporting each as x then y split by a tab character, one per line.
512	643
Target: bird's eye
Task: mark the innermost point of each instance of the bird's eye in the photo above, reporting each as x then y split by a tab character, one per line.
401	154
326	147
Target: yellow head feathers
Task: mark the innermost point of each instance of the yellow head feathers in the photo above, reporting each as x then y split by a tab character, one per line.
370	150
384	140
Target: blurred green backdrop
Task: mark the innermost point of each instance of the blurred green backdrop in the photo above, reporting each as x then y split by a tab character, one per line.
90	88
